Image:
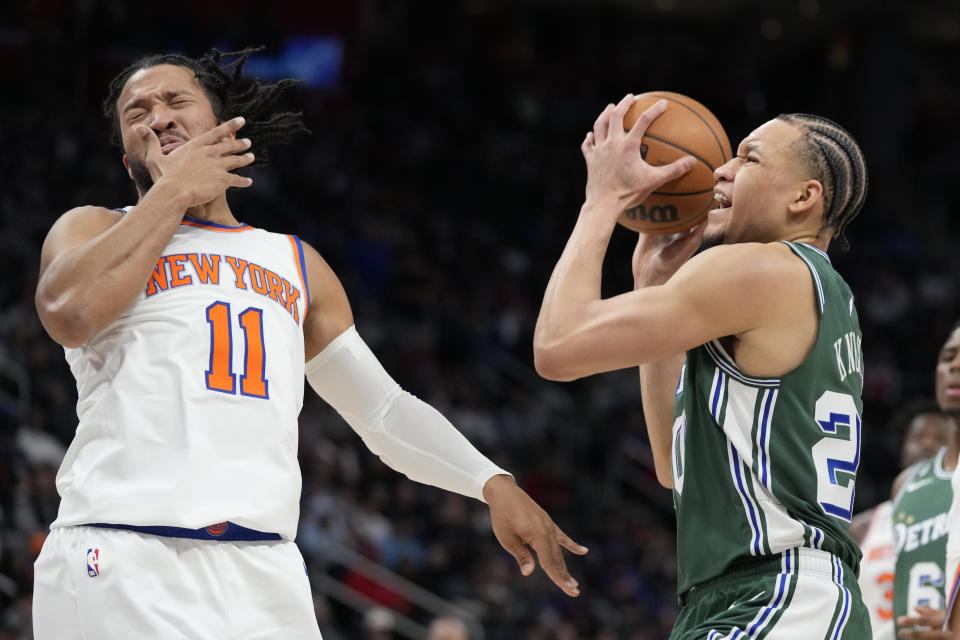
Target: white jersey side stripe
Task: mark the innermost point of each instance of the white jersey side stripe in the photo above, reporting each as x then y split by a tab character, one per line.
716	395
750	508
763	437
766	615
724	361
845	596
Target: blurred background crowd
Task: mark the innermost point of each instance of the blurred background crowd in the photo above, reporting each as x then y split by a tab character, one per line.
440	181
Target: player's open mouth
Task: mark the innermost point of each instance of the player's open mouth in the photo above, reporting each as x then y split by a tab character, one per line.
722	202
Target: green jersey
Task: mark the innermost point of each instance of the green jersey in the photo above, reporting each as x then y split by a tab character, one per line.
762	465
920	528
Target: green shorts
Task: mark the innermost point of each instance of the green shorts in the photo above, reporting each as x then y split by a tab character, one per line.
800	594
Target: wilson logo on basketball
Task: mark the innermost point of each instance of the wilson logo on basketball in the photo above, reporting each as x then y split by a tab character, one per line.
656	213
217	529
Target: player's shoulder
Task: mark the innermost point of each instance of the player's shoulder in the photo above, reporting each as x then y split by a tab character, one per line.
917	468
84	221
756	264
88	215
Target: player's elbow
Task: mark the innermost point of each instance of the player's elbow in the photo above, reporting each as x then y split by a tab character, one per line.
551	361
68	323
665	478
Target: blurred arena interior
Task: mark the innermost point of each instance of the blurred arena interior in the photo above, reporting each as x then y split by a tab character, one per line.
441	178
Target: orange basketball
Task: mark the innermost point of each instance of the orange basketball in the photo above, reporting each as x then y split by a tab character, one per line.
685	128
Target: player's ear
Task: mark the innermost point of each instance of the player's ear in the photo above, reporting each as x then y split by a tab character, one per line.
126	163
809	194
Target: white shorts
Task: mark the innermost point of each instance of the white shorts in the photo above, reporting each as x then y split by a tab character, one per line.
104	584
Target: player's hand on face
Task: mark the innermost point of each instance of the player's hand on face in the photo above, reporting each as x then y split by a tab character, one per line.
656	258
925	625
519	523
201	166
615	170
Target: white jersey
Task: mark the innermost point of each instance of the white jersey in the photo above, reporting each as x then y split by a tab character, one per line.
188	401
876	570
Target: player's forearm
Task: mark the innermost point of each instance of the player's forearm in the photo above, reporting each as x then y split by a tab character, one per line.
85	288
406	433
574	284
658	384
416	440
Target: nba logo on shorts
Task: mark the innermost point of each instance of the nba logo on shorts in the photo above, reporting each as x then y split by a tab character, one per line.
93	562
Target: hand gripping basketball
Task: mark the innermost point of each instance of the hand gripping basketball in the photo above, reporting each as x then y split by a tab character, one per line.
616	169
685	128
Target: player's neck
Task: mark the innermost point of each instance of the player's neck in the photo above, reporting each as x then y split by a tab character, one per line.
217	211
820	241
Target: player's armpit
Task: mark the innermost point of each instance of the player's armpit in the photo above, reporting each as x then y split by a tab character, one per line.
658	386
329	314
725	291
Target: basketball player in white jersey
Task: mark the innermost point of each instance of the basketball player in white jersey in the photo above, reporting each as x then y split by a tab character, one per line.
190	334
925	434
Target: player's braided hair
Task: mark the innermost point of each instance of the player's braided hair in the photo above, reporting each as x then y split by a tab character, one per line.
230	94
834	158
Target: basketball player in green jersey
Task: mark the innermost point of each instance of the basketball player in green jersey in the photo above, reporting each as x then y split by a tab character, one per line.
750	369
922	495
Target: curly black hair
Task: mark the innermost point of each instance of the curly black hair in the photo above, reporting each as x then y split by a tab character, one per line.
220	74
834	158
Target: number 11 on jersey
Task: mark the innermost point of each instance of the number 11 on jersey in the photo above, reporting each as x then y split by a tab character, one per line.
220	375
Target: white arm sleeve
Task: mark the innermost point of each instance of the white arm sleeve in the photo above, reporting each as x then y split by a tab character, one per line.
406	433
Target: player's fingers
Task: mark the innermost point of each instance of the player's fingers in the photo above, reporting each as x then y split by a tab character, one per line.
231	146
551	559
587	145
240	182
223	130
649	115
521	554
602	124
235	162
676	168
617	113
568	543
150	138
930	613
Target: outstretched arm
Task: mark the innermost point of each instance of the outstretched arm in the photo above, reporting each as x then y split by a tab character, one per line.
412	437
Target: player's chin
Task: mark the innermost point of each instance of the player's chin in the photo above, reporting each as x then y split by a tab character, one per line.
714	234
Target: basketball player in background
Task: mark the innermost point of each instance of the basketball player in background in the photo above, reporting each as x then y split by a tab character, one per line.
750	368
190	334
927	431
948	396
924	585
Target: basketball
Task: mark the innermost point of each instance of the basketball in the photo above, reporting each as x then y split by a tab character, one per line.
685	128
